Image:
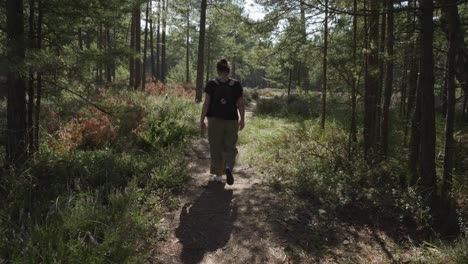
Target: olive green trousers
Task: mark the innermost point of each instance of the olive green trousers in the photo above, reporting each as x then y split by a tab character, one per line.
222	136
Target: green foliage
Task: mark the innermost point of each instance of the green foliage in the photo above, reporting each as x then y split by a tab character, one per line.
303	107
98	205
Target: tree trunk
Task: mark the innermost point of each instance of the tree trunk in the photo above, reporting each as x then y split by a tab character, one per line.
187	56
163	39
388	80
145	49
16	108
101	46
158	43
325	62
201	52
32	46
39	78
109	51
382	43
426	87
153	69
353	130
370	100
137	46
80	39
453	26
290	81
132	49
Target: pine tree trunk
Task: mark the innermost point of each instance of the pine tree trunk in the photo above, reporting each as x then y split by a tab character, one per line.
353	130
145	49
158	43
32	46
370	100
109	51
16	108
187	48
80	39
426	87
39	79
382	43
201	52
163	40
132	49
388	80
453	28
153	69
137	46
325	65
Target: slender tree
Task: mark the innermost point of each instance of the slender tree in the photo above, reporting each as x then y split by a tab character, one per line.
353	130
426	89
39	78
187	48
158	42
163	40
137	25
32	45
370	96
388	80
325	65
16	108
450	14
145	47
153	69
201	52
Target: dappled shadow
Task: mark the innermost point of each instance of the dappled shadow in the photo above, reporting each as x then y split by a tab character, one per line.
206	224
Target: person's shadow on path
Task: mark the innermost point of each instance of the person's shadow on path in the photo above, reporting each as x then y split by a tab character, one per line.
206	225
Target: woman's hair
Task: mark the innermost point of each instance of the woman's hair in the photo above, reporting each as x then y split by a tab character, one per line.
223	66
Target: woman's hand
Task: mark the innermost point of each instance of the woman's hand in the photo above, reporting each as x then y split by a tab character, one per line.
241	124
202	126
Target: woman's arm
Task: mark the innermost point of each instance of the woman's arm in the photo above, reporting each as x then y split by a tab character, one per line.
240	106
206	105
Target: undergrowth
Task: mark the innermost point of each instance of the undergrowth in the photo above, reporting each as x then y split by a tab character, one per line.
316	167
101	181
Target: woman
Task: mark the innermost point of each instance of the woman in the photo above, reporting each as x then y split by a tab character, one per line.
223	106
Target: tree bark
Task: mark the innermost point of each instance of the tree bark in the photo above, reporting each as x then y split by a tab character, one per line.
145	48
370	100
109	51
388	80
132	49
187	48
153	69
39	79
158	43
201	52
325	65
163	40
16	108
426	87
453	27
32	46
353	130
137	46
382	43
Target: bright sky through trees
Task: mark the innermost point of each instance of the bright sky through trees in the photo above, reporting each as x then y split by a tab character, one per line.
254	10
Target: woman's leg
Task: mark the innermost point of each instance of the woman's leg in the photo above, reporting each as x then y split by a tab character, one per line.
215	138
231	129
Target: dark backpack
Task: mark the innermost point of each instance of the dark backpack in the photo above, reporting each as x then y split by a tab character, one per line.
223	103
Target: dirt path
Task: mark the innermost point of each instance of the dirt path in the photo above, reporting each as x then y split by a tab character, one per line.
249	222
218	223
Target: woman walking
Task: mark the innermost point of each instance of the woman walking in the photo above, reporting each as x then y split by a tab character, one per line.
224	108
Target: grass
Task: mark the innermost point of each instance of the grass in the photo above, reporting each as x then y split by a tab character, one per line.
100	183
314	166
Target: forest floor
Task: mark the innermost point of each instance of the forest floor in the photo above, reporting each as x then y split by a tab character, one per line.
249	222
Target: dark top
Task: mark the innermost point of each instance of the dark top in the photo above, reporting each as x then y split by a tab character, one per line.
224	96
